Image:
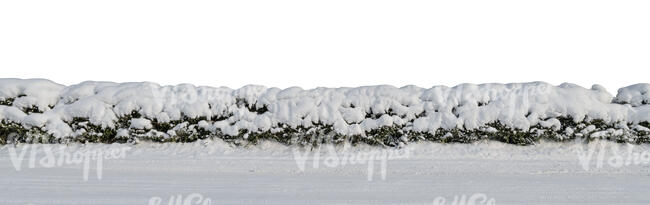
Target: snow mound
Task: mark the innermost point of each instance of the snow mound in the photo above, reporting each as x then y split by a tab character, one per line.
635	95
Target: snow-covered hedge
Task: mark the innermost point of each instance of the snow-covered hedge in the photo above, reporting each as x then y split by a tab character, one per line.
37	110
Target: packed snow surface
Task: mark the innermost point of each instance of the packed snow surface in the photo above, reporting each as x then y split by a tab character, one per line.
270	173
351	111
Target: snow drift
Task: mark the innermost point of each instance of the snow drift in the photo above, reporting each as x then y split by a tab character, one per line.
38	110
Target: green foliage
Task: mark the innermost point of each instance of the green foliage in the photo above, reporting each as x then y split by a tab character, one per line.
8	130
7	101
11	133
32	109
512	136
187	130
386	136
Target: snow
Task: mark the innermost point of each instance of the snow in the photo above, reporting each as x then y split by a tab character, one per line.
140	123
269	173
12	114
469	106
635	95
551	123
37	92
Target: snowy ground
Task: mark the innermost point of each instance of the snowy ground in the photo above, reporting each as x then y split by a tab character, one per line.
547	173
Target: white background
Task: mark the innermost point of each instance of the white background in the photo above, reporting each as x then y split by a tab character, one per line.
327	43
